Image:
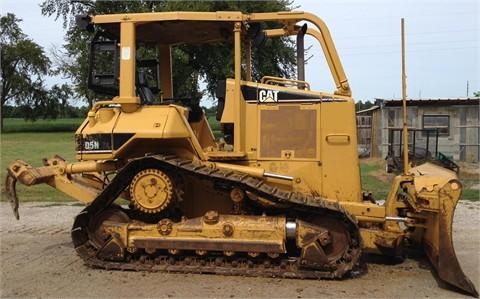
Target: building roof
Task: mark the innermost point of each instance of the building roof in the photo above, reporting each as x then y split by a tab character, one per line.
373	108
429	102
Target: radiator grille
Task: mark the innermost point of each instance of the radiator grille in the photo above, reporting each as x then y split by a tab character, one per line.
288	130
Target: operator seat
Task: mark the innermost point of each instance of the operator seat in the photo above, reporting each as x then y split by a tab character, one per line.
220	93
143	90
227	128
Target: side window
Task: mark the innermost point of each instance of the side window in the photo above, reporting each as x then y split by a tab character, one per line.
440	122
147	64
104	68
391	118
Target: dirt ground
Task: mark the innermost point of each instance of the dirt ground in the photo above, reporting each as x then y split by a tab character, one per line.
37	260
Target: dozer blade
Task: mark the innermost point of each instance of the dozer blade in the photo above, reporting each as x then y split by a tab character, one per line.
439	243
11	192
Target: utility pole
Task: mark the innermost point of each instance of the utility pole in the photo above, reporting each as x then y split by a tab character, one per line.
467	88
404	104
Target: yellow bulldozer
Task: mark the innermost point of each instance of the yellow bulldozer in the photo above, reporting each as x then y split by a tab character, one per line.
278	195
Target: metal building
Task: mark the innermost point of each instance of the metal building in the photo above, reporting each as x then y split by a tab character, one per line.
457	120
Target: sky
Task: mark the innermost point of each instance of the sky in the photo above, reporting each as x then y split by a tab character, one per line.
442	44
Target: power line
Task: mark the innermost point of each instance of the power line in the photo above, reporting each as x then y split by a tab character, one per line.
409	44
410	34
408	51
372	18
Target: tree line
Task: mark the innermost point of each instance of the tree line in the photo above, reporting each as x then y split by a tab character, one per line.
29	113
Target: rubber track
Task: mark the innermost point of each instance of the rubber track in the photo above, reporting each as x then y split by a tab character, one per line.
279	267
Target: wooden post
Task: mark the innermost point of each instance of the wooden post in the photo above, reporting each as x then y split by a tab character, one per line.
406	163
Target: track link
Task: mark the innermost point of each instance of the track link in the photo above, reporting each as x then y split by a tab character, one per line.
236	265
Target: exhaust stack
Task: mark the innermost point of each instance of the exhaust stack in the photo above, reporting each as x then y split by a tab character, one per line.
301	55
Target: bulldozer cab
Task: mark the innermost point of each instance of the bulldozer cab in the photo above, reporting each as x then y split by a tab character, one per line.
112	50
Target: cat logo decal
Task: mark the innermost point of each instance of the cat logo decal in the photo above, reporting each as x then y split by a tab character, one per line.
267	96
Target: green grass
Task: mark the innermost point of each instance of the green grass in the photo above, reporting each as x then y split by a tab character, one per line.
15	125
471	194
371	183
32	148
215	126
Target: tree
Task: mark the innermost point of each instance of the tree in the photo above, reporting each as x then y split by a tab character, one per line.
35	103
23	64
363	105
190	62
476	94
58	97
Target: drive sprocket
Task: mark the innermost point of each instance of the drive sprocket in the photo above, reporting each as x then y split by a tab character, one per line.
151	191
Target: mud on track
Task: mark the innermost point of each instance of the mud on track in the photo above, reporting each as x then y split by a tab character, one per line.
37	260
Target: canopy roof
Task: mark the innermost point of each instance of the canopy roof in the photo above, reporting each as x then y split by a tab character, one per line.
187	27
178	32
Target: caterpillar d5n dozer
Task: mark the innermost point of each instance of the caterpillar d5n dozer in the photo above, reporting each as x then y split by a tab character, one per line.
280	195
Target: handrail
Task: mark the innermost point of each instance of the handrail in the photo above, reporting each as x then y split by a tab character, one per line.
285	81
